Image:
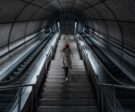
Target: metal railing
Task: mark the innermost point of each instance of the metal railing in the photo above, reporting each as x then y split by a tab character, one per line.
17	99
117	45
107	94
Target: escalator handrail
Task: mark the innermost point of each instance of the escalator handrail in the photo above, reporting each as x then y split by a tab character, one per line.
128	87
15	86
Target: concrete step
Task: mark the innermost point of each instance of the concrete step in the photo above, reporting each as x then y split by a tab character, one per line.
62	80
62	89
73	61
73	65
70	76
61	71
58	57
70	79
82	83
74	53
73	73
79	72
69	88
72	84
67	102
67	95
77	68
67	109
55	76
73	56
70	72
55	80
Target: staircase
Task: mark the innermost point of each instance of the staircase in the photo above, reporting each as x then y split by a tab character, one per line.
57	95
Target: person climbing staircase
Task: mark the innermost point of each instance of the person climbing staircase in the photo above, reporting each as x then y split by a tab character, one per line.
77	94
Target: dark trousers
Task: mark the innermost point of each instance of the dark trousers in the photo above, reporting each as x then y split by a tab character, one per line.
66	71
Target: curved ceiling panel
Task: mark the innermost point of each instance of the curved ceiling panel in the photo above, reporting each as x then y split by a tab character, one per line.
123	9
18	31
42	2
39	14
32	27
100	27
47	4
79	6
91	12
92	2
4	34
115	18
9	9
106	14
128	30
67	5
28	0
114	31
27	13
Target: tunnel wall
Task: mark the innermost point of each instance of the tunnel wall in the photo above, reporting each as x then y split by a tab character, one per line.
11	34
19	31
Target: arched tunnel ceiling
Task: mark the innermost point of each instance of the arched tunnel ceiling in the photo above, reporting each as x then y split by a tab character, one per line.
20	10
115	19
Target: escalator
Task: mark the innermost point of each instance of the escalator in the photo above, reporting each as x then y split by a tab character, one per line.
18	76
116	76
123	94
20	70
